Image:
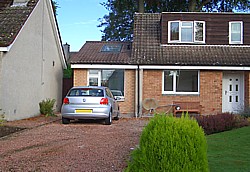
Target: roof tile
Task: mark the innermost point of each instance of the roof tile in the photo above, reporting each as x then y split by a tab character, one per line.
12	19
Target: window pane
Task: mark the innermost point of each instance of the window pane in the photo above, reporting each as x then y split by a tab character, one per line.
93	81
199	31
186	35
93	72
114	79
112	48
168	80
186	24
187	81
236	32
174	33
235	37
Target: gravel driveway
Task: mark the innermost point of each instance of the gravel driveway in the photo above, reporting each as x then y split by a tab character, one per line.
79	146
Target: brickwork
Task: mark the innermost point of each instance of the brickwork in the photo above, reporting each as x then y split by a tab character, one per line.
210	90
247	89
128	106
80	77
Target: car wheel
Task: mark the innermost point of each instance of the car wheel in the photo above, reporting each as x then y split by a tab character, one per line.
108	120
65	120
117	116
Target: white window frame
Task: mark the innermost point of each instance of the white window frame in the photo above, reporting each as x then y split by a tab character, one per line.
180	28
98	76
174	92
230	33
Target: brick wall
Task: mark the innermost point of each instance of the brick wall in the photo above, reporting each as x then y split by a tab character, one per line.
247	89
128	106
80	77
210	90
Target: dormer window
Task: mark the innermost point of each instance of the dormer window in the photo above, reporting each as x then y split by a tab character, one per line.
236	32
186	32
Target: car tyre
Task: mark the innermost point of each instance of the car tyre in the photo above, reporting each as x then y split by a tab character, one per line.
108	120
117	116
65	120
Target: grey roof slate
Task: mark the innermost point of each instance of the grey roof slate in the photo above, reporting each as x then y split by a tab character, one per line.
12	19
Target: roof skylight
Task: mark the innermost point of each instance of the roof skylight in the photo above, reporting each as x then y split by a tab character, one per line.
112	48
20	3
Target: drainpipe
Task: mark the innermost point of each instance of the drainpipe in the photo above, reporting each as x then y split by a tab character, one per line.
139	88
1	57
138	91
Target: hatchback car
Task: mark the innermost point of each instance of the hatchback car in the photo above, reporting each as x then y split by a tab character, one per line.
89	102
118	95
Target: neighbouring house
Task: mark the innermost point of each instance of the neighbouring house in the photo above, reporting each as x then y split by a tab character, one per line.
31	57
202	58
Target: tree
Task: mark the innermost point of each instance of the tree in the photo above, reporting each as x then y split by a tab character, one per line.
55	6
118	24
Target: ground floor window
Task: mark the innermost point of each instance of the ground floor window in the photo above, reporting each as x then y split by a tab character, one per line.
180	82
112	78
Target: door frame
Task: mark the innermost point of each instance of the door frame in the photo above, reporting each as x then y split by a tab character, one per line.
242	90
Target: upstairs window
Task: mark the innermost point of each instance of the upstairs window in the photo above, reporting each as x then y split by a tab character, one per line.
235	33
186	32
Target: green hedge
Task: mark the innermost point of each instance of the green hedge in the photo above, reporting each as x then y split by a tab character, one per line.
170	144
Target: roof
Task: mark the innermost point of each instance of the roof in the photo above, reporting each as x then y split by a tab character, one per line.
91	53
147	48
12	19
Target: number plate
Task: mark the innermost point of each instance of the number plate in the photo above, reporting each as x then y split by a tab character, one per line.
83	110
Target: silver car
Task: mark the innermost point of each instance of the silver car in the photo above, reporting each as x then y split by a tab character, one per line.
89	102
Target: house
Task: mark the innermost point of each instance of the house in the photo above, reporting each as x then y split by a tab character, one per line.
31	57
182	57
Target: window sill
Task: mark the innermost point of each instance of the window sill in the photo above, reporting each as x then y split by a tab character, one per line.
180	94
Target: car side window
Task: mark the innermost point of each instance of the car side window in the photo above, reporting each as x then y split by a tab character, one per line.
108	92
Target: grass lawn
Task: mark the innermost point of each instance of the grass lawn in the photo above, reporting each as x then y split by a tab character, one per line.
229	151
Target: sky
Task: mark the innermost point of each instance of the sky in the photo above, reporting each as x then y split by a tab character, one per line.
78	20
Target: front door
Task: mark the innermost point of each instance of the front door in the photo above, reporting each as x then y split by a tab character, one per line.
232	92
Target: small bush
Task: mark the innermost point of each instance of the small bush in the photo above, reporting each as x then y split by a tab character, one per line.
246	112
220	122
46	107
170	144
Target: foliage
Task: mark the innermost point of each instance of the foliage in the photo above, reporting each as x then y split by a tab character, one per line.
46	107
55	6
118	24
67	73
229	151
170	144
220	122
246	112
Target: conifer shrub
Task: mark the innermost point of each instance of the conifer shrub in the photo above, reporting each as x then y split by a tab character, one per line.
170	144
46	107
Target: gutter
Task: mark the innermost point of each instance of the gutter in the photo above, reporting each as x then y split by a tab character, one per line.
6	49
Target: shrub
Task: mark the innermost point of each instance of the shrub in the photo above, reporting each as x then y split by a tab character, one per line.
246	112
220	122
170	144
46	107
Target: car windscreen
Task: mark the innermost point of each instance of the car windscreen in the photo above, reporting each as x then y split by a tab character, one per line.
93	92
116	93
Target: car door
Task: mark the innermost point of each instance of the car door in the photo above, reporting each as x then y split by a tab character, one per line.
113	102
